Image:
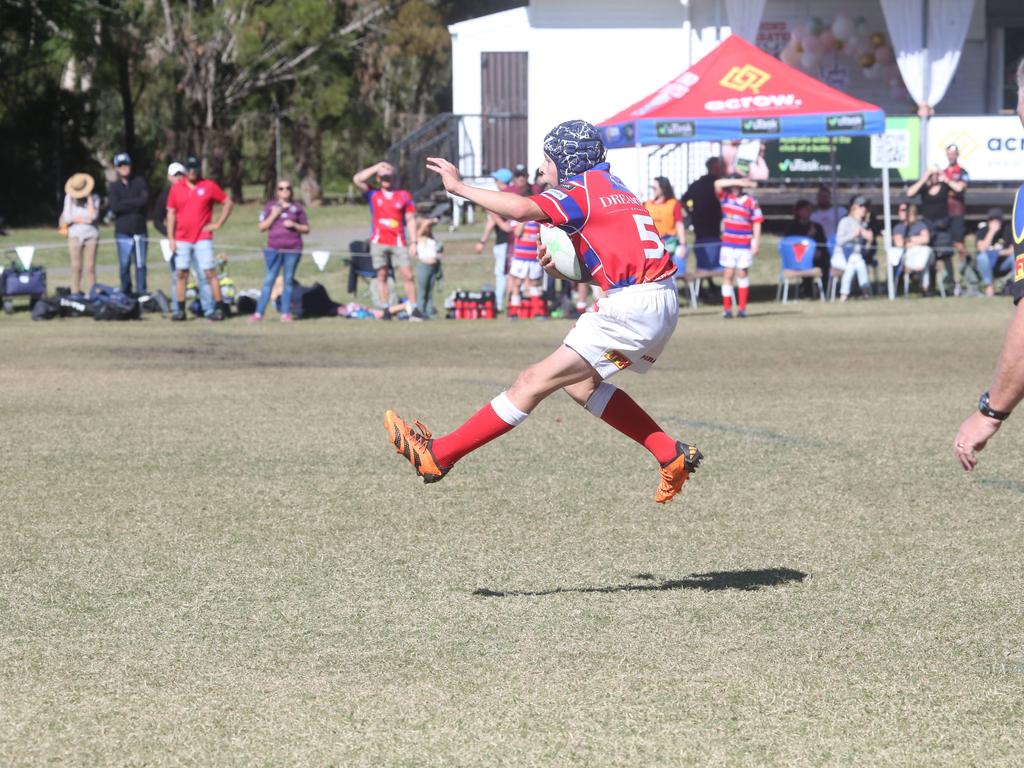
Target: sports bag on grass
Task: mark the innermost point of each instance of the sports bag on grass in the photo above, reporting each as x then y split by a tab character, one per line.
29	282
112	304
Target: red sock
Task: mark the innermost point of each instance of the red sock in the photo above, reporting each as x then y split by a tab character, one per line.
726	301
742	298
478	430
630	419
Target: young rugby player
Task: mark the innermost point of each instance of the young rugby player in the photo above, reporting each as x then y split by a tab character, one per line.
741	237
616	238
524	272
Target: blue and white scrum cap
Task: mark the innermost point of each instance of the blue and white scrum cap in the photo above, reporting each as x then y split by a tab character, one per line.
575	146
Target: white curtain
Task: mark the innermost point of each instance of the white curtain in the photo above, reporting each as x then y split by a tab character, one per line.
927	72
744	17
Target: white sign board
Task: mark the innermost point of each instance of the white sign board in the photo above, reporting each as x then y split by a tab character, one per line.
891	149
991	147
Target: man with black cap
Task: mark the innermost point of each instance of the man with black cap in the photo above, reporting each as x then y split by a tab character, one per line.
1007	387
190	229
616	240
129	199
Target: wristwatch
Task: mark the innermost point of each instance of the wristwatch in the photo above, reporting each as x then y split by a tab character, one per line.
983	406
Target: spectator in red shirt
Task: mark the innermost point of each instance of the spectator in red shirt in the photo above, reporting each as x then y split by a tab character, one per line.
392	231
190	229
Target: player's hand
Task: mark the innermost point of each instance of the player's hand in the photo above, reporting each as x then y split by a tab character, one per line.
546	262
211	227
974	434
384	168
288	224
478	247
450	176
172	245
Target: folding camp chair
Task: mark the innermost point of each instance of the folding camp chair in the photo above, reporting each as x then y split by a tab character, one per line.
797	263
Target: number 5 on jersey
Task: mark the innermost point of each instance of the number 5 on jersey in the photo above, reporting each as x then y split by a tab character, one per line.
649	234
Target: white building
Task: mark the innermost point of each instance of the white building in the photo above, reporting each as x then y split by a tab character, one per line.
559	59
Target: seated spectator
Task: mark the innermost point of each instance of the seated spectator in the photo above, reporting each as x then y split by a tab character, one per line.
285	223
852	235
995	254
911	240
870	251
826	214
802	226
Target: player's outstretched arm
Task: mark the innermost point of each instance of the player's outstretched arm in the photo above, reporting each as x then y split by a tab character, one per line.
507	204
1006	392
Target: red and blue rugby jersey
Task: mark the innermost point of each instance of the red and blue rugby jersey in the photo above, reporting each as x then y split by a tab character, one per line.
526	244
739	215
387	215
612	231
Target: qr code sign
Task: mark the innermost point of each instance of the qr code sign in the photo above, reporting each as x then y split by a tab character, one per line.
891	149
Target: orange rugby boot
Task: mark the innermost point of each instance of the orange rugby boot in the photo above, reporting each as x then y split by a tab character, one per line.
415	446
677	471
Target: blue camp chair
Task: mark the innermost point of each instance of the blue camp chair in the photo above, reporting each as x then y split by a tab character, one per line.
361	266
797	263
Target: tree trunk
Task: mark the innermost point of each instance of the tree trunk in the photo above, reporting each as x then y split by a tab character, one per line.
127	105
307	141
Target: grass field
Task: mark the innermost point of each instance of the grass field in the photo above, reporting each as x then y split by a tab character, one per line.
210	556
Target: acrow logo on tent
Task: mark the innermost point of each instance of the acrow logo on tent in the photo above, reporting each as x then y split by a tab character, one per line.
745	78
746	102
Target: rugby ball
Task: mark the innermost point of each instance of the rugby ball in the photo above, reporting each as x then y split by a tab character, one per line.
563	254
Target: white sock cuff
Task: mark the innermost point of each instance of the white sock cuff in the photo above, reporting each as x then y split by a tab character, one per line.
742	282
506	411
727	291
598	400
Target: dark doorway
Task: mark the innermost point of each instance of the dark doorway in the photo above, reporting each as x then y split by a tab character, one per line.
504	107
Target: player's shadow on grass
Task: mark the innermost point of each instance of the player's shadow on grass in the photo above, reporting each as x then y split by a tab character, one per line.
713	581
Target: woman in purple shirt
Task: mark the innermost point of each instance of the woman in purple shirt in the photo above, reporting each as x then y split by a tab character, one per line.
285	223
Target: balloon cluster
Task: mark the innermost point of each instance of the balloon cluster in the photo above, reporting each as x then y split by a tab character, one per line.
809	43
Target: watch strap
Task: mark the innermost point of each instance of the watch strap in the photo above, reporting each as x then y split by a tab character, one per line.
987	410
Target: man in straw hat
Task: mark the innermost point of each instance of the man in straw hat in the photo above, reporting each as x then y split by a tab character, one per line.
80	215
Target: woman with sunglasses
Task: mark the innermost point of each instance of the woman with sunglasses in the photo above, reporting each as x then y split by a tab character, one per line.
285	223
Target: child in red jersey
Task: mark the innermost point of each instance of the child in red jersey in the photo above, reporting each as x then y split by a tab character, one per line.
525	272
741	239
617	241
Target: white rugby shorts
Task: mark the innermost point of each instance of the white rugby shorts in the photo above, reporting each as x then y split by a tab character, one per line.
526	269
629	329
735	258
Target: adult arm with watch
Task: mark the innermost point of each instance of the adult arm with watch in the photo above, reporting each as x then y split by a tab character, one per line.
1006	391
